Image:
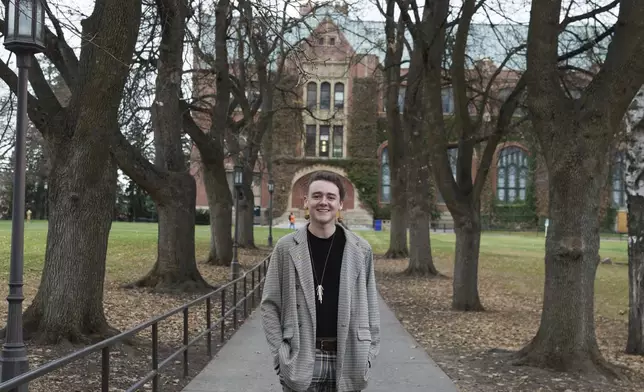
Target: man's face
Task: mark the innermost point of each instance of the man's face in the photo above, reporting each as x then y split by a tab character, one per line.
323	201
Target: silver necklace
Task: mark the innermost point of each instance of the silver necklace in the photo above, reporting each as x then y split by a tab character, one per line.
319	289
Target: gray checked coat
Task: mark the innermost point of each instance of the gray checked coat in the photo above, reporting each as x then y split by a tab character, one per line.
288	313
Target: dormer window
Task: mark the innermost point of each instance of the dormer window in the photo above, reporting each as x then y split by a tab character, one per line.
331	41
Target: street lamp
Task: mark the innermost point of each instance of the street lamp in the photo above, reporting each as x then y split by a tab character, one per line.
271	188
238	181
24	35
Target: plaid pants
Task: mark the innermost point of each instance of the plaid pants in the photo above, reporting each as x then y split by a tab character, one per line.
323	373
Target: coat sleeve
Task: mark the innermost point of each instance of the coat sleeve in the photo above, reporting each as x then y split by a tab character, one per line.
271	305
374	312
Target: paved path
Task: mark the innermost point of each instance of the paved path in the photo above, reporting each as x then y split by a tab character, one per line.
244	363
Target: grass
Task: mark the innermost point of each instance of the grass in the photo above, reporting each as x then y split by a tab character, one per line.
511	275
516	259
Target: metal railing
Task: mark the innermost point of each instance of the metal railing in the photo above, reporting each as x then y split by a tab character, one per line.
253	293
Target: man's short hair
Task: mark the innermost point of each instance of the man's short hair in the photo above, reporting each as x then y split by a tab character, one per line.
324	175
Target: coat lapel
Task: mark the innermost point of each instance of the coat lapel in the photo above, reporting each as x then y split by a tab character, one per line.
302	260
352	265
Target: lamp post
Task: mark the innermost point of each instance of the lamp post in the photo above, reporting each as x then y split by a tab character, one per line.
238	180
24	35
271	188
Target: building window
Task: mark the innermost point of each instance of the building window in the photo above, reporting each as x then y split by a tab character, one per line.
331	41
338	96
321	41
309	146
617	180
337	141
385	177
325	96
448	100
511	175
324	141
311	95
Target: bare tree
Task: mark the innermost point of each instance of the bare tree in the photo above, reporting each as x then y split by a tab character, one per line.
423	108
396	141
168	181
634	170
243	108
82	179
576	134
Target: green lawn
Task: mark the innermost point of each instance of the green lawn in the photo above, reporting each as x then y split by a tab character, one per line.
516	259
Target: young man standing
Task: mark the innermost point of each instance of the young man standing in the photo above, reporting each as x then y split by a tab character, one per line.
320	305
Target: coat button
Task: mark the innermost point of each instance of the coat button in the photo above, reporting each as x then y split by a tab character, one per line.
297	286
298	306
300	324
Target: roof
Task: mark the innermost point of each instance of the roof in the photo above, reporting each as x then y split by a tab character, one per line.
485	41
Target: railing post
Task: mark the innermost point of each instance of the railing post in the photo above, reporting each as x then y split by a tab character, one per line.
155	356
105	369
185	342
235	306
245	298
209	326
223	314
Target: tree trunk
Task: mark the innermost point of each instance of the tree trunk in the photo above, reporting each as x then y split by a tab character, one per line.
420	257
82	183
246	217
69	302
220	204
398	234
635	342
176	269
168	182
465	294
566	338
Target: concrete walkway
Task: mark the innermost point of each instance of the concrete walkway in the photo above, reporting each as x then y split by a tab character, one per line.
244	363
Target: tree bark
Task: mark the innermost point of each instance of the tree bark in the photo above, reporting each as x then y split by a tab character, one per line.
635	342
82	182
69	302
246	219
168	182
396	137
566	338
220	204
175	269
466	260
418	203
246	204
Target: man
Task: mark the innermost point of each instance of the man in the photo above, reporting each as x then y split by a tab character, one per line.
320	306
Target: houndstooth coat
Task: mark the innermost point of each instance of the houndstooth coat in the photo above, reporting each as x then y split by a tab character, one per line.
288	313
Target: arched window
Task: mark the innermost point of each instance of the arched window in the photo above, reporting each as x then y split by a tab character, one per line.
511	175
617	180
311	95
325	96
338	96
385	177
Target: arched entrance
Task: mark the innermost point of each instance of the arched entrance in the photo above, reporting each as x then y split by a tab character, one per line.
301	185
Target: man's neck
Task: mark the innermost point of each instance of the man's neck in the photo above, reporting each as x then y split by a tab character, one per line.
322	231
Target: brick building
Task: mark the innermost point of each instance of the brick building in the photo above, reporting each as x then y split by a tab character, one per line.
343	129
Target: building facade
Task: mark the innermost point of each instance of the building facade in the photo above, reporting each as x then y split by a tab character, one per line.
341	127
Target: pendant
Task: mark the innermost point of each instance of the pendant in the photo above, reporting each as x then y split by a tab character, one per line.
320	290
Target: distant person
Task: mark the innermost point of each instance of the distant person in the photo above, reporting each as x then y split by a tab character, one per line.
29	216
291	221
321	317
